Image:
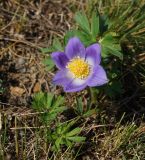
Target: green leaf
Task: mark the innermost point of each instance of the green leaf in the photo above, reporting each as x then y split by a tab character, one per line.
95	25
59	101
59	129
115	52
67	126
89	113
85	38
47	50
57	45
49	63
106	50
82	21
58	110
47	103
1	88
79	106
47	118
108	38
68	35
110	45
73	132
103	24
49	99
68	143
58	142
76	139
38	101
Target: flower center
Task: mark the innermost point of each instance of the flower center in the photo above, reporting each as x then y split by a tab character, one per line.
79	68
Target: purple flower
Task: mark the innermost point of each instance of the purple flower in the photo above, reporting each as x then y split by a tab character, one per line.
79	67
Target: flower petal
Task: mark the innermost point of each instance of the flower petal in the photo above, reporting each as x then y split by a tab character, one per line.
60	59
75	85
62	77
98	77
93	54
75	48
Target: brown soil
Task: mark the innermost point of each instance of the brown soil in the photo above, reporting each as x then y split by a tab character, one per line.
27	26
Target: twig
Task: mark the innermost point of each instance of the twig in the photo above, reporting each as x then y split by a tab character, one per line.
21	41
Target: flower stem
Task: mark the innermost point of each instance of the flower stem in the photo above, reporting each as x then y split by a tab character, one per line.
93	93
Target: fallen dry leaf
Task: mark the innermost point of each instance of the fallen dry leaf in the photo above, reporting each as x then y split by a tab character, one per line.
37	87
16	91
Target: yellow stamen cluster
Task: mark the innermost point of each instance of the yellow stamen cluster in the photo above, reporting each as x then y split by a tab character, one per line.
79	68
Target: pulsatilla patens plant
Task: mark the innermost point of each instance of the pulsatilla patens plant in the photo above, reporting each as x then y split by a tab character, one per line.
55	132
65	135
79	67
48	105
80	55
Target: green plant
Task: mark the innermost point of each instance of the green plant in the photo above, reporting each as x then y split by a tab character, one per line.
81	111
55	132
121	39
1	88
91	30
65	134
49	106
